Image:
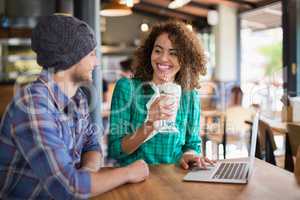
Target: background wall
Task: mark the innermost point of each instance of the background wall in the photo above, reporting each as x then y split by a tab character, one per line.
1	7
124	30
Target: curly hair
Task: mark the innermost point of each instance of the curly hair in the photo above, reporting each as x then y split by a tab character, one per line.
189	52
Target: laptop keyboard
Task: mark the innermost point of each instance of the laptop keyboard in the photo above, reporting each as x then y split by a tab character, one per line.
231	171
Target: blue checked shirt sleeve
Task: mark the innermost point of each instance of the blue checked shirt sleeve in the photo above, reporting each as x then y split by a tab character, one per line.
120	120
92	143
38	139
92	132
193	141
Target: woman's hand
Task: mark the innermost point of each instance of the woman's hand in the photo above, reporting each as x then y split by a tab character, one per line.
190	159
162	108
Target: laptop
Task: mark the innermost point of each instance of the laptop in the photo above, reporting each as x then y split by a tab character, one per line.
229	171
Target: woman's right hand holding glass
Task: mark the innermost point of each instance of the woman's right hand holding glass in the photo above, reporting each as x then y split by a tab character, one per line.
162	108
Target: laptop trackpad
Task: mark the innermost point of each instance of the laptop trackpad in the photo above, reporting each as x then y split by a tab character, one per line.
196	173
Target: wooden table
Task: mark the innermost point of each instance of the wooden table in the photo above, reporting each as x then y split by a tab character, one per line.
276	125
165	182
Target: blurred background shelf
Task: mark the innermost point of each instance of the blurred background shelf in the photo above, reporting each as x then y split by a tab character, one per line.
15	58
15	41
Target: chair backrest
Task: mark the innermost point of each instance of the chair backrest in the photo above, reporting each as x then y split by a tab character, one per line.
208	94
235	119
266	145
265	131
294	137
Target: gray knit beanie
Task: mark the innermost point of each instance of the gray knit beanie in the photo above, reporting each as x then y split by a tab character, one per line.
61	41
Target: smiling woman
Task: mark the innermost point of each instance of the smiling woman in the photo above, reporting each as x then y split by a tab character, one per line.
172	56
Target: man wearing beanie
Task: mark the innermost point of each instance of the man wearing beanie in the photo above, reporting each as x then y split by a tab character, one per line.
48	146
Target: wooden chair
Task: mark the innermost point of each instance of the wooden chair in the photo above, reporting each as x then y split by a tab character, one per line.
266	144
208	95
214	131
292	144
208	103
208	122
232	128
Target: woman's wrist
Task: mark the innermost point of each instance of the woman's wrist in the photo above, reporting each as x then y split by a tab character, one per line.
148	130
131	142
149	127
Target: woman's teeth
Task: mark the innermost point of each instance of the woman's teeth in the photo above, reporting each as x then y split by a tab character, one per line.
163	67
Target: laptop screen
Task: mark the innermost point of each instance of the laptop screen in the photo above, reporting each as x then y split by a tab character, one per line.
253	142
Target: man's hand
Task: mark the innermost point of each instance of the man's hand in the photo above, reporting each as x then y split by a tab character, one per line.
109	178
190	159
137	171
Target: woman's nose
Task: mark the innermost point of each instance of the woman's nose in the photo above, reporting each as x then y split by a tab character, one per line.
164	57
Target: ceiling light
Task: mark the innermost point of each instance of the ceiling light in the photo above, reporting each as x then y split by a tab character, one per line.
115	9
178	3
144	27
212	17
129	3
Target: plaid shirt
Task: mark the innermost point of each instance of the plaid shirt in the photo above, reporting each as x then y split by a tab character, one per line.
43	135
128	112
